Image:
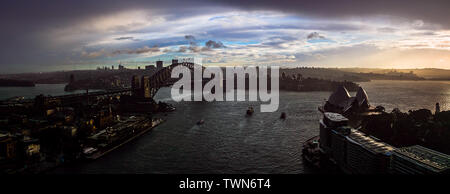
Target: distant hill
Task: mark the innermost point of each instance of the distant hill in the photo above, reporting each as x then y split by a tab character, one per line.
324	73
353	75
428	73
333	74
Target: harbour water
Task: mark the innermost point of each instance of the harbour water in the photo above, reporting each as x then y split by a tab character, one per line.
229	142
31	92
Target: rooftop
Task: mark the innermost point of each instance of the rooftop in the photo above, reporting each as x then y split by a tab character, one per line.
426	156
334	117
370	143
339	97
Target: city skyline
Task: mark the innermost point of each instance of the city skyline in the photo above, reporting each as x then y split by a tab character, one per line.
54	35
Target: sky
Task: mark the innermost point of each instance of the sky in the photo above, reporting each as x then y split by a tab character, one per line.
51	35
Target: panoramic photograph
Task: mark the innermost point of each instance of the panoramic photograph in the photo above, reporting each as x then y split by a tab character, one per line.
253	87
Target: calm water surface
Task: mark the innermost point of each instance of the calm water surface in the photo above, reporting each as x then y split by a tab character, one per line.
31	92
229	142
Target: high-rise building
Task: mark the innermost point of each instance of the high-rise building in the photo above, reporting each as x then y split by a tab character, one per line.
174	61
135	86
329	122
159	65
145	87
72	79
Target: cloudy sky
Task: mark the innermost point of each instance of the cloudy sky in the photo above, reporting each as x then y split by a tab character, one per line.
63	35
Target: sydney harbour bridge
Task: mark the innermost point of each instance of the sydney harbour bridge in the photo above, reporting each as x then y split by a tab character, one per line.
146	87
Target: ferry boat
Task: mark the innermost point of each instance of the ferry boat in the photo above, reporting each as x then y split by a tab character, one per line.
311	151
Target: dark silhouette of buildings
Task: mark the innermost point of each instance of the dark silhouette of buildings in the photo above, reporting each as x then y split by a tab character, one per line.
145	87
141	88
438	108
135	84
159	65
72	79
150	67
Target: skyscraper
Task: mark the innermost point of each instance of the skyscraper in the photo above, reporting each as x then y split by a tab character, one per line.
145	87
174	61
135	86
159	65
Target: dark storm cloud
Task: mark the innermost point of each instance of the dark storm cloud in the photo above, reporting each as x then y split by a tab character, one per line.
144	49
58	10
209	45
50	11
276	41
214	44
189	37
314	35
426	33
125	38
25	25
191	40
182	49
387	30
101	53
433	11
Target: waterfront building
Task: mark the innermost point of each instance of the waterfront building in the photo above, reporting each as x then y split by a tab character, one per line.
352	150
358	153
334	119
339	97
339	145
340	101
329	122
325	139
362	99
419	160
366	154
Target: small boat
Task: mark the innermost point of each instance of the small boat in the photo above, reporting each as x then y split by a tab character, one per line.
201	121
283	115
311	151
250	111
